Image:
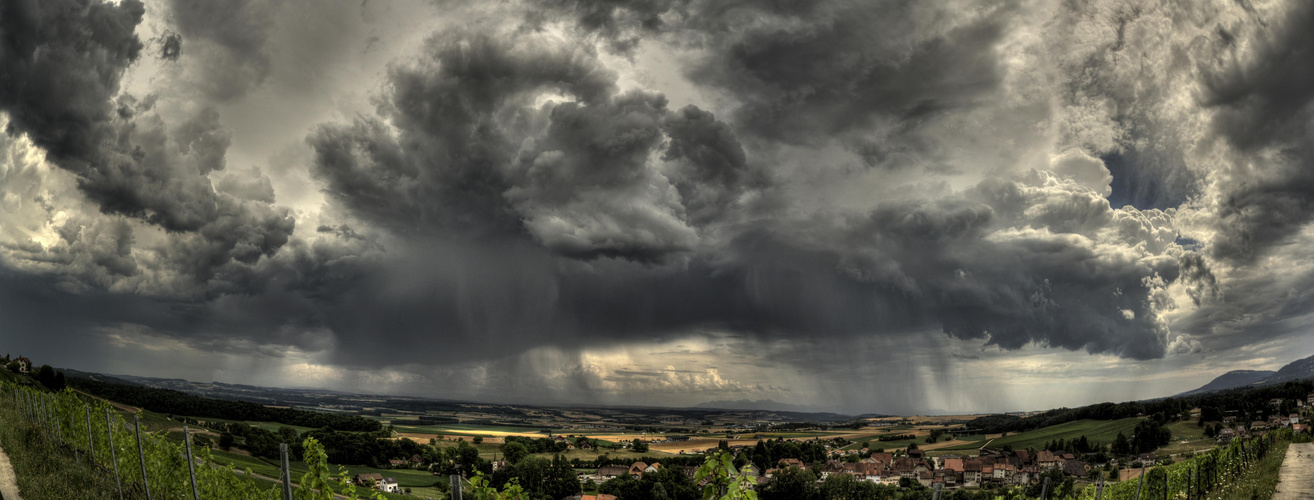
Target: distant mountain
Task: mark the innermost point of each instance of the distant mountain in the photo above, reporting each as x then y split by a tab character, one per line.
1296	370
748	404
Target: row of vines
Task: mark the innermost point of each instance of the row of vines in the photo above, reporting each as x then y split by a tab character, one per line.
148	465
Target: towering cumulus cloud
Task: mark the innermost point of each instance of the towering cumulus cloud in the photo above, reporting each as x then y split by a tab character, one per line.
582	200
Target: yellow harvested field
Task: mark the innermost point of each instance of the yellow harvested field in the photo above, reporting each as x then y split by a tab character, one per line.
696	445
467	432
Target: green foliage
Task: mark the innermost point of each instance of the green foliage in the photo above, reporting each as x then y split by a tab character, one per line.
514	452
318	483
481	490
640	446
723	482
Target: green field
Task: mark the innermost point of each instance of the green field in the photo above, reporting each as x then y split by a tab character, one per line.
1098	431
1187	437
266	467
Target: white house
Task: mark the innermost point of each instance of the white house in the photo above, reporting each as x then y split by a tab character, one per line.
389	485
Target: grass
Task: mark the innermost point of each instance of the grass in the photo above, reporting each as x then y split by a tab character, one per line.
1260	481
44	473
1098	431
269	426
1187	437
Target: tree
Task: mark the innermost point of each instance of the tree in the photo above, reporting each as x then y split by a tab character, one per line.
792	484
46	376
1121	446
201	441
478	440
514	452
659	492
226	440
640	446
1149	435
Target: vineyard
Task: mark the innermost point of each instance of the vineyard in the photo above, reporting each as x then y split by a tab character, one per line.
1208	475
147	465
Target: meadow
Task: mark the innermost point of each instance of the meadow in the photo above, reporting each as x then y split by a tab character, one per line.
1097	431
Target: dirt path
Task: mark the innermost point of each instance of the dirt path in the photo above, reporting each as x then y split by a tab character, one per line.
1296	479
8	482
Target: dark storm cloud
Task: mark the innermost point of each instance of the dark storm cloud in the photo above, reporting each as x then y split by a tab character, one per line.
63	63
871	75
714	169
63	60
444	170
1266	112
622	23
852	68
230	36
475	157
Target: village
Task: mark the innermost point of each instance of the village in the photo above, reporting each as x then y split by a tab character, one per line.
989	467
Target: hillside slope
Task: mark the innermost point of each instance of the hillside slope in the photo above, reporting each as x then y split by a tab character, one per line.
1296	370
1231	380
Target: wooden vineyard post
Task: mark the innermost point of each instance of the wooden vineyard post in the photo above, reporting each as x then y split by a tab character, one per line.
141	454
114	456
191	462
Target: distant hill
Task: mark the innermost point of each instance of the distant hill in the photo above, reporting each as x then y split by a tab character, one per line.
1296	370
71	373
748	404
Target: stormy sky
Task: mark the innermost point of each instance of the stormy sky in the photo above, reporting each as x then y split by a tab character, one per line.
862	206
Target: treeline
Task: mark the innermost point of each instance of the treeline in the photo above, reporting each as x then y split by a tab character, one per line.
1247	403
426	421
539	445
896	437
180	403
368	448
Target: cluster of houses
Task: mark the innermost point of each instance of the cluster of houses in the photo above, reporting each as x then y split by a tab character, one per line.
377	481
410	462
992	467
637	469
20	364
1232	429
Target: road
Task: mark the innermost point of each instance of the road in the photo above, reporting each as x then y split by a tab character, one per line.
8	482
1296	479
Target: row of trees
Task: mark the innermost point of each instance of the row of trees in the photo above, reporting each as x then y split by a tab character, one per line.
180	403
